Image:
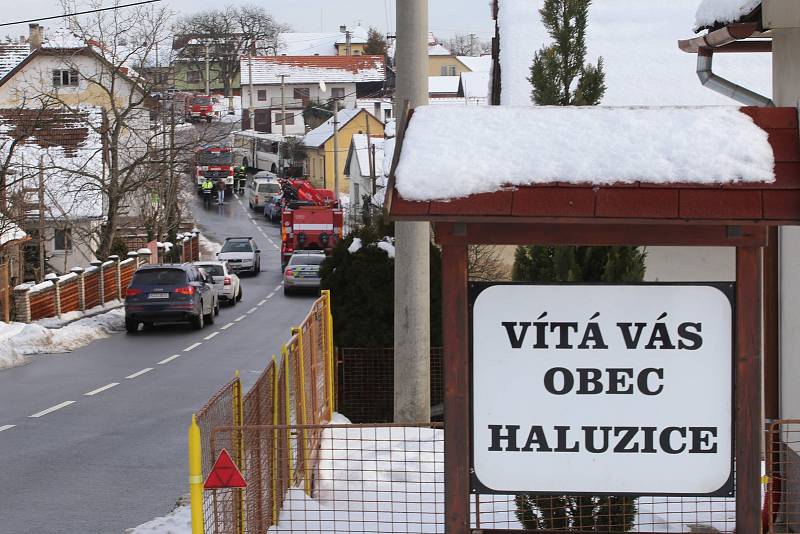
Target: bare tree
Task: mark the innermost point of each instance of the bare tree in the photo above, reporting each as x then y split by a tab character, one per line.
462	44
130	152
229	33
485	264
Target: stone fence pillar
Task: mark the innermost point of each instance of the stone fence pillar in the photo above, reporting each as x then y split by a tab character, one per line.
81	287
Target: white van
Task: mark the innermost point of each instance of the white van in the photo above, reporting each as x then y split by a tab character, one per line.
260	188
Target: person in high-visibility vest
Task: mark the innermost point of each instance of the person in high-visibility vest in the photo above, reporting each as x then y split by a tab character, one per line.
207	185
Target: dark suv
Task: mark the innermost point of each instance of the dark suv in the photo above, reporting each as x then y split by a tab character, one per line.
170	293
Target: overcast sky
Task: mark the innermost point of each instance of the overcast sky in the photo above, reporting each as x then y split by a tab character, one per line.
446	16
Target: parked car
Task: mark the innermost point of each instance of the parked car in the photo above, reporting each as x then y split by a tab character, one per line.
302	271
170	293
260	188
242	254
226	283
273	208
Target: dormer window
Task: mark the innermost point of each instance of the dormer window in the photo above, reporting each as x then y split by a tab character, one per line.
65	78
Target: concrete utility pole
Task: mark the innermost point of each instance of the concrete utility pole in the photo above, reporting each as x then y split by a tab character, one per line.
472	44
783	18
208	71
250	92
336	149
348	39
412	335
283	121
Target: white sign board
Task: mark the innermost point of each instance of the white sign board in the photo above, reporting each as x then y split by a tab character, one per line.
602	389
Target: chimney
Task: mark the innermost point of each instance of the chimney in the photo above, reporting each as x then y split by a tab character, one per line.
35	36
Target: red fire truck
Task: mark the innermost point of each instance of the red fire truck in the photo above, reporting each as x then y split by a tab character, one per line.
311	219
215	163
199	107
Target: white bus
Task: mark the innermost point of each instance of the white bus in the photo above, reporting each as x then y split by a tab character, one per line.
256	150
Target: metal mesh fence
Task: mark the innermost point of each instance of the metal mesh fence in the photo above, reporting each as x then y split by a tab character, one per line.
219	507
782	500
365	383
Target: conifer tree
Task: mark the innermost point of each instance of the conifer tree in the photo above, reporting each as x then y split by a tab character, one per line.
561	76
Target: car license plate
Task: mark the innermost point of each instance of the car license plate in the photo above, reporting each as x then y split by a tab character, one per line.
158	295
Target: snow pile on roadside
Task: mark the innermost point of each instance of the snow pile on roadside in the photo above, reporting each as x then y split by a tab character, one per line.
208	248
179	521
474	152
18	340
710	12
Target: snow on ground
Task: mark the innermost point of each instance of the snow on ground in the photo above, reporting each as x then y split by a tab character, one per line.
710	12
355	246
52	336
179	521
475	153
208	248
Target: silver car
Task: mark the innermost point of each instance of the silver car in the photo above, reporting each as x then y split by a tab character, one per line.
302	271
228	286
242	254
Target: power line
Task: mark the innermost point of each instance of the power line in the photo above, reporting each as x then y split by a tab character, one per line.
65	15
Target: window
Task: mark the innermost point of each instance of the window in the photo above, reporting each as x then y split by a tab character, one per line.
337	93
284	118
387	114
301	93
448	70
193	76
262	94
63	240
356	194
65	78
237	246
356	52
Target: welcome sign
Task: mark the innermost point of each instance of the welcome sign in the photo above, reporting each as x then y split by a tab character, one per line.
623	389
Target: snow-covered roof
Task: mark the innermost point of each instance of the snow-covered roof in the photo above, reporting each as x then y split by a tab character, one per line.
474	152
11	54
638	43
362	150
477	63
443	84
67	145
712	12
475	85
438	50
10	232
312	69
319	135
61	38
323	44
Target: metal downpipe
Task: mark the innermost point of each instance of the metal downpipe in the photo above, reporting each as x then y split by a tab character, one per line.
705	62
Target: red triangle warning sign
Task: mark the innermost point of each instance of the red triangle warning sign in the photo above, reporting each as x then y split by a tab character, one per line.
224	474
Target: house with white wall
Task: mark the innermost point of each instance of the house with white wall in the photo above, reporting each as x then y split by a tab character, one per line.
295	82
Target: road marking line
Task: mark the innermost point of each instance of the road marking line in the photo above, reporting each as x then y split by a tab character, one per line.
251	310
99	390
211	335
271	295
239	318
140	373
52	409
192	346
262	301
277	287
6	427
167	360
226	326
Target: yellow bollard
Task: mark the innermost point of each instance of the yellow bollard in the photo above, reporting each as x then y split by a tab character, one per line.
195	477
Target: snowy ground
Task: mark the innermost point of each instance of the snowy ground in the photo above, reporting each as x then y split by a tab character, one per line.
18	341
386	480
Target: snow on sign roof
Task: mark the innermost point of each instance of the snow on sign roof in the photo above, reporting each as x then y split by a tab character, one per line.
581	145
313	69
711	12
638	43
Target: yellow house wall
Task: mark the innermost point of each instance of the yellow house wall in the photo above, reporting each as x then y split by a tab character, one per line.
355	49
435	64
357	125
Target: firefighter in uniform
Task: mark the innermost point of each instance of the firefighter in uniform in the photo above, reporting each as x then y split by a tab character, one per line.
207	187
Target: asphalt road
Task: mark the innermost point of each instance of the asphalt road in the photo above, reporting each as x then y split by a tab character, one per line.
117	458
